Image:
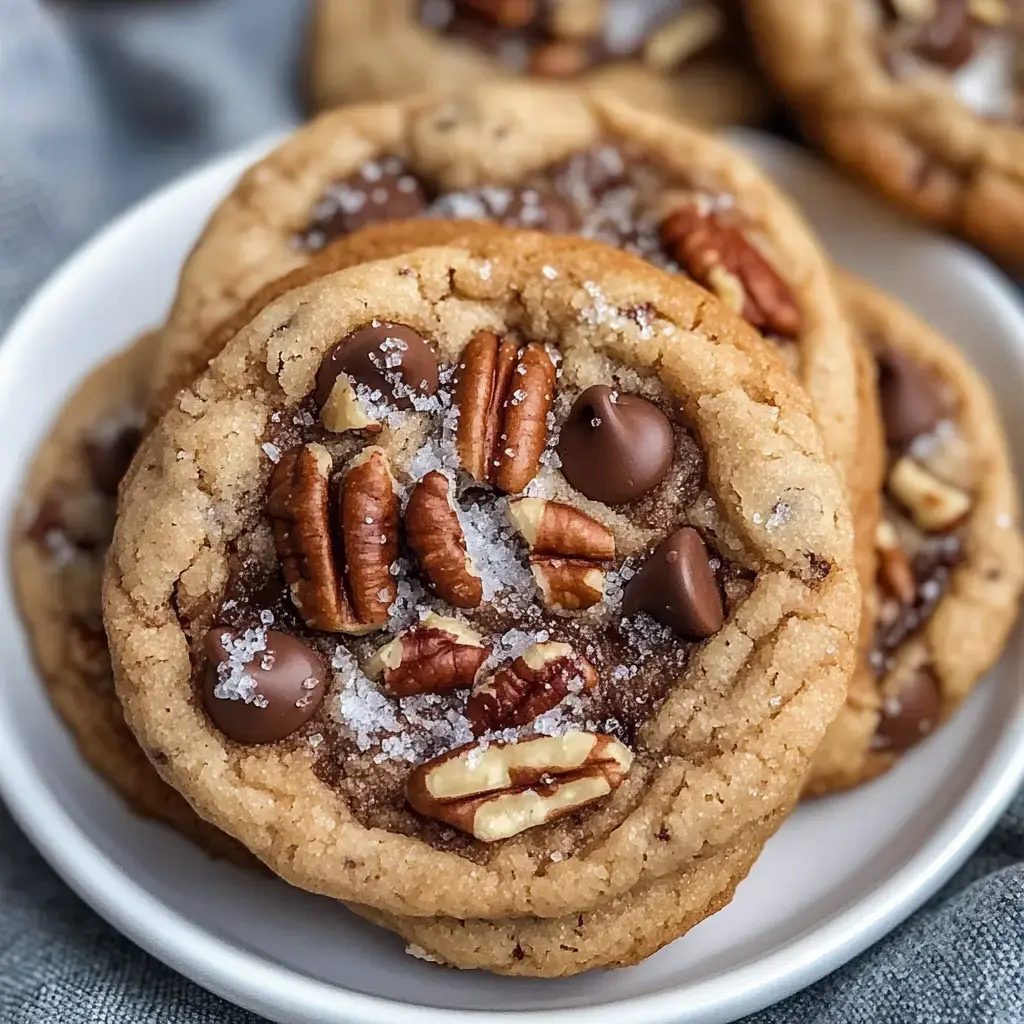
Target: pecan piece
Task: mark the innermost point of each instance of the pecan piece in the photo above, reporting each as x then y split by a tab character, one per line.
435	535
568	584
506	789
679	39
894	569
934	505
564	544
552	527
718	256
297	503
369	525
503	397
434	656
533	683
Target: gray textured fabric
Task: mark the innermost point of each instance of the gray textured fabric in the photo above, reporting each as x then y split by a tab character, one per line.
98	104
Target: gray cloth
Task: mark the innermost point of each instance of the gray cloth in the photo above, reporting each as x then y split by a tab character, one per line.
99	103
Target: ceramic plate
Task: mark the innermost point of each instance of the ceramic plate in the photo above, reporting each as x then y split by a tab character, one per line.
838	875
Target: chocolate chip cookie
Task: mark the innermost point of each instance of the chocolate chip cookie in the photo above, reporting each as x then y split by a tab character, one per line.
444	672
686	58
949	553
919	97
58	551
532	157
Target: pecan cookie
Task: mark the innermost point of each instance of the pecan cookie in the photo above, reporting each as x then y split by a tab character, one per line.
949	552
919	97
413	618
58	549
530	156
687	58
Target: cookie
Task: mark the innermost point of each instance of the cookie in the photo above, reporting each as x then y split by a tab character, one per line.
921	99
684	58
365	769
539	158
950	559
58	550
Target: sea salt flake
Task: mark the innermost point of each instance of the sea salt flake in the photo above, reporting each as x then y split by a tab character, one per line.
272	452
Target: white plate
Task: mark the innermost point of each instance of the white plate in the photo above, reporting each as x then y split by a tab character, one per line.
839	874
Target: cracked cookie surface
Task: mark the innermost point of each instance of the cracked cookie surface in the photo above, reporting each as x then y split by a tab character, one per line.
684	58
950	562
921	99
231	792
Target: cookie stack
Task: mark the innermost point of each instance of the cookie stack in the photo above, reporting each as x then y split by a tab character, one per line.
526	514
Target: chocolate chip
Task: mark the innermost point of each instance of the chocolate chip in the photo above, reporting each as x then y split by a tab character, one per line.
912	399
109	457
386	357
615	447
676	586
911	715
49	517
538	208
260	696
379	191
950	38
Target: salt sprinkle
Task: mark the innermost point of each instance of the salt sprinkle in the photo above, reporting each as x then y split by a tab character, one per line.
272	452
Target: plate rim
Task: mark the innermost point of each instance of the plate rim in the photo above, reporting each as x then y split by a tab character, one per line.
251	980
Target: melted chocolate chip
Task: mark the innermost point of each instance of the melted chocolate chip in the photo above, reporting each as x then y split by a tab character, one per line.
950	38
912	399
261	696
539	208
676	586
379	191
589	174
109	457
911	715
615	447
386	357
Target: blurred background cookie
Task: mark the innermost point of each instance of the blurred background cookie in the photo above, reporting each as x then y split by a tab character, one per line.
921	98
683	57
950	562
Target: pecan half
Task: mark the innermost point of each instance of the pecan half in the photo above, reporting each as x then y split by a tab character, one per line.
298	505
554	528
346	587
369	524
503	397
541	677
718	256
435	535
505	789
434	656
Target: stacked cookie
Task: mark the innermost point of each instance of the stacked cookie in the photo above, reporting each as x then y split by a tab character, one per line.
526	514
